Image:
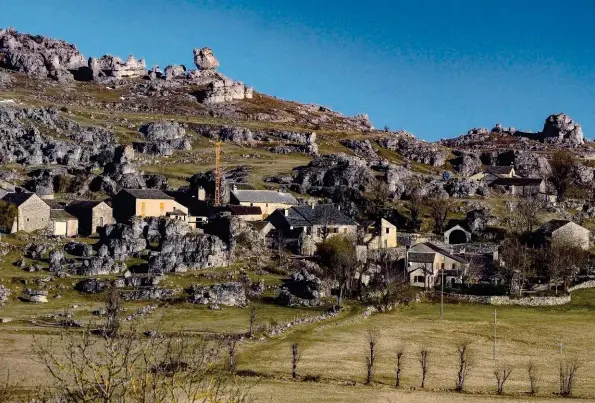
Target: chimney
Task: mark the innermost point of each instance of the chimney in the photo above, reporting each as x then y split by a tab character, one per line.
286	212
234	188
201	194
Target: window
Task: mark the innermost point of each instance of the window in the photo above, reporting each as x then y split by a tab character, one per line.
442	266
27	219
161	207
418	279
143	207
251	204
344	230
388	230
267	204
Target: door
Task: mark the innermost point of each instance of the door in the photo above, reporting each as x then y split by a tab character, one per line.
60	228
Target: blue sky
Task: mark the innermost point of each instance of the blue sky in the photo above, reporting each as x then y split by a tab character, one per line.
436	68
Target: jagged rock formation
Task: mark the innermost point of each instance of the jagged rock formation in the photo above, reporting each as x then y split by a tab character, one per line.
228	294
38	56
174	71
466	164
561	129
301	289
362	148
113	66
163	138
414	149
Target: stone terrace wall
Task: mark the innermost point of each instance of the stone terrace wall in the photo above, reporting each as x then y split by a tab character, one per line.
586	284
505	300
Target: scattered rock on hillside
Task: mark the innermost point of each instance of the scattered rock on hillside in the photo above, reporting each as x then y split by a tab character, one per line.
301	289
228	294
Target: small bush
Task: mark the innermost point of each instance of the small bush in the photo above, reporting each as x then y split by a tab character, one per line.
311	378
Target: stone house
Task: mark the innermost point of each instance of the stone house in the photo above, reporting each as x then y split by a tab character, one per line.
63	223
32	213
197	207
318	222
493	172
457	235
91	215
526	187
246	213
563	231
267	200
145	203
381	234
427	263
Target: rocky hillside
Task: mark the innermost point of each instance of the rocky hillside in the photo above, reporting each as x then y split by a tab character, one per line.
90	126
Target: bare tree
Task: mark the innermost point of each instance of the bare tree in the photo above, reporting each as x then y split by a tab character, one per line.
232	354
533	378
424	361
295	358
377	199
440	208
567	377
399	366
253	317
516	263
464	365
131	368
566	259
340	261
373	336
502	372
563	164
113	306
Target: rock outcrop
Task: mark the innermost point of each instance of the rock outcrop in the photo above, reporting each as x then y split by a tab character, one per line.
113	66
228	294
561	129
301	289
416	150
204	59
163	138
38	56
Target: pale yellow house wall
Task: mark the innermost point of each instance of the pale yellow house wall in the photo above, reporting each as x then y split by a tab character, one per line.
267	208
154	207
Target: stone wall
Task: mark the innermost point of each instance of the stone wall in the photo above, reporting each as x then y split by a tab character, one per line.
505	300
581	286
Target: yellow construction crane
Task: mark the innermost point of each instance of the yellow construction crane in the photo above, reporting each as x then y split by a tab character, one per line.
217	173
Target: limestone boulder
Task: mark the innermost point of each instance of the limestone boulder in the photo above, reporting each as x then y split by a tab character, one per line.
204	59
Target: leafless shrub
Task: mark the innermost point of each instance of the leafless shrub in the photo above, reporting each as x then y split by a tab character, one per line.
113	306
502	372
533	378
295	358
8	387
232	354
399	366
567	377
464	365
424	361
128	367
253	316
373	336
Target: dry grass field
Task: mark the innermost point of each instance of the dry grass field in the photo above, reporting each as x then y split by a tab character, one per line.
334	350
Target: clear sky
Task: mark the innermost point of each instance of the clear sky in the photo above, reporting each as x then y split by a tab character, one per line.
436	68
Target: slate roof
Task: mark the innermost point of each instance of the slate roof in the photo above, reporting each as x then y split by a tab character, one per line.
147	194
176	212
499	169
421	257
84	204
55	205
17	198
320	214
244	210
551	226
517	182
61	215
264	196
443	252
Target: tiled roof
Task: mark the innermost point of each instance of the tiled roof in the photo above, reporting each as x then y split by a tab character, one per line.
264	196
552	225
17	198
320	214
147	194
499	169
517	182
444	252
60	215
421	257
55	205
244	210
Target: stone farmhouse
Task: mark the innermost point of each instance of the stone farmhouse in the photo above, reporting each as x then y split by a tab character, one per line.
246	213
32	213
381	234
525	187
427	263
63	223
91	215
317	221
146	203
562	231
267	200
491	173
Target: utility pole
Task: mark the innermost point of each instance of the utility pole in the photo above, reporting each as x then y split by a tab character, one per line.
442	296
494	346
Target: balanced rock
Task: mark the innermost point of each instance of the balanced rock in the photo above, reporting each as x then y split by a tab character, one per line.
560	128
205	59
